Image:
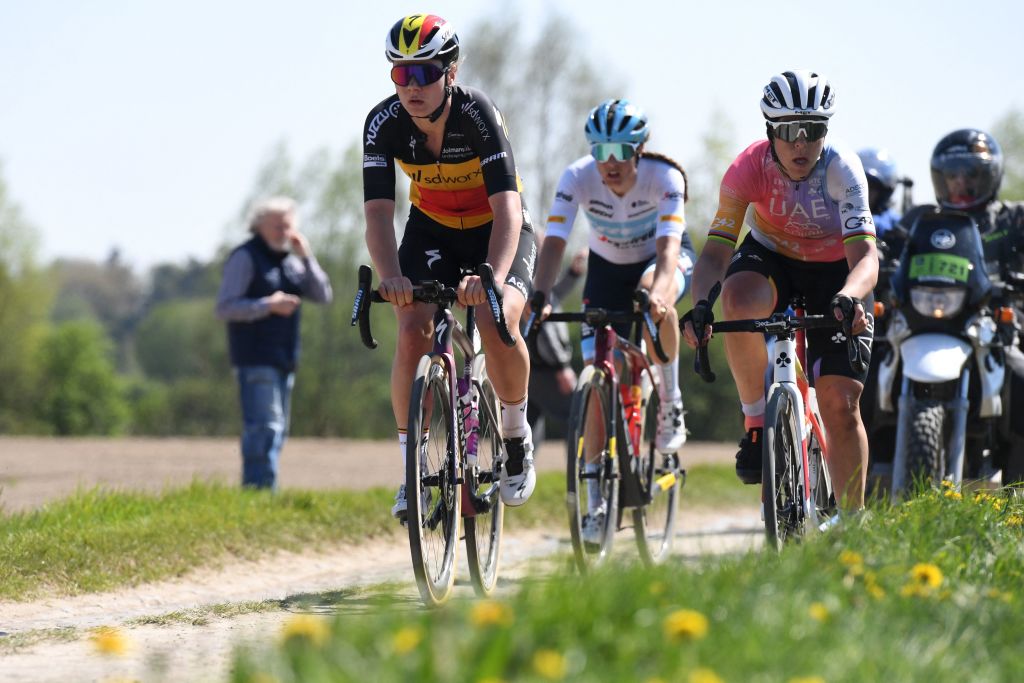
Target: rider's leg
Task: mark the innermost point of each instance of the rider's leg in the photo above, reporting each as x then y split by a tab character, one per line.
747	294
838	401
671	432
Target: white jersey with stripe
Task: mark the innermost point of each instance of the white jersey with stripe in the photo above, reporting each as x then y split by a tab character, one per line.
623	229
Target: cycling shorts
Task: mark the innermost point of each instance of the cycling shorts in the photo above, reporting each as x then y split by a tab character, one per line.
817	283
611	286
431	251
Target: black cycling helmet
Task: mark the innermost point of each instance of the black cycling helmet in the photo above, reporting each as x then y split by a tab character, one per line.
967	168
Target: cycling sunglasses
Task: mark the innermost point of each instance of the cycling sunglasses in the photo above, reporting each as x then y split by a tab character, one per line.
423	74
789	131
605	151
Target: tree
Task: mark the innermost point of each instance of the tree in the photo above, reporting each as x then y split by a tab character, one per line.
1009	131
80	391
25	300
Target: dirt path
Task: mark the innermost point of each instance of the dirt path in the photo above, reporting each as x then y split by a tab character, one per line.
197	644
328	583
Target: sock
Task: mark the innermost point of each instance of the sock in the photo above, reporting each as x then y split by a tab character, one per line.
669	389
753	414
403	441
513	419
593	487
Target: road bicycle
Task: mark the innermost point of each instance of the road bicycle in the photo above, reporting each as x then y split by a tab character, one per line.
612	427
455	453
796	490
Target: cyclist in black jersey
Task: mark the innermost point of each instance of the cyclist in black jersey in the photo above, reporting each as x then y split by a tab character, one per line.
452	143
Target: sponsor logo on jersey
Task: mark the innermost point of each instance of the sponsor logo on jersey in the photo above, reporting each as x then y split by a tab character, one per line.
375	161
471	110
378	120
728	223
857	222
563	196
493	157
627	244
673	195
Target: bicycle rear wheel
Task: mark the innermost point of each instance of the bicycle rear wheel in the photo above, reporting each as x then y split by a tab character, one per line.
822	493
783	516
588	427
483	529
432	489
660	484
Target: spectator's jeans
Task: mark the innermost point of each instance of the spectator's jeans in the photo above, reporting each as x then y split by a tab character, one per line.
266	401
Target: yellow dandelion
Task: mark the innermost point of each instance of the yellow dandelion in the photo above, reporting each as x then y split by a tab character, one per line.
490	613
926	574
850	558
1014	521
874	590
549	664
998	504
306	627
491	679
953	495
947	484
686	624
819	612
261	677
807	679
655	680
982	497
704	676
109	641
406	639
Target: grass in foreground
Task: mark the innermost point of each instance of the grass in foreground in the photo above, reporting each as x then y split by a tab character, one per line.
96	541
927	591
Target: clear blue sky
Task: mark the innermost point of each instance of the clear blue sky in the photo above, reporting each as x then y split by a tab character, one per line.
141	125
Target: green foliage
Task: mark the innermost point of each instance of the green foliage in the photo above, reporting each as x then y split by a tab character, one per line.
182	338
925	591
1009	132
80	393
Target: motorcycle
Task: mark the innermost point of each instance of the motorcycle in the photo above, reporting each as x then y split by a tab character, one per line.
946	363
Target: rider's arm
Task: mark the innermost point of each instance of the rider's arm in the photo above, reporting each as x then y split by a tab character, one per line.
548	263
380	242
669	233
561	218
665	266
508	221
847	185
721	243
862	257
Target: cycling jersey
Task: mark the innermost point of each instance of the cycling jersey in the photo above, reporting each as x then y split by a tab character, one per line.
453	189
624	229
807	220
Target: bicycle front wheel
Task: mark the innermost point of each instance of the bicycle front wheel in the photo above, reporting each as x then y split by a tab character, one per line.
483	529
431	482
780	471
592	483
660	485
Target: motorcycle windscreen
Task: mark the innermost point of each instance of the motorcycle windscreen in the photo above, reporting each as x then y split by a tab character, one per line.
932	358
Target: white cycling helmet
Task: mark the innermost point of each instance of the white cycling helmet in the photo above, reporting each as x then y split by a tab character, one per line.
798	93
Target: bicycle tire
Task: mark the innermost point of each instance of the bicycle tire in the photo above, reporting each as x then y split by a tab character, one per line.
484	529
660	484
822	492
592	386
432	490
783	514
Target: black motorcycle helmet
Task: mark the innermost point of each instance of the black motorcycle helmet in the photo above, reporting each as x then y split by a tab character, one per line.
967	168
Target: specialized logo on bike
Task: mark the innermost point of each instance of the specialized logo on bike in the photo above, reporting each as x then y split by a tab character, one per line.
432	255
943	239
783	359
442	326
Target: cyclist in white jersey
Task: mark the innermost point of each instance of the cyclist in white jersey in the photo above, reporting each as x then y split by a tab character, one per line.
633	200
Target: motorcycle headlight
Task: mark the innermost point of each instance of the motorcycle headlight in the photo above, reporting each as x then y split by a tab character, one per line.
937	302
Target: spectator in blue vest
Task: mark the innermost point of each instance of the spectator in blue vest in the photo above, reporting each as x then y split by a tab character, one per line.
265	280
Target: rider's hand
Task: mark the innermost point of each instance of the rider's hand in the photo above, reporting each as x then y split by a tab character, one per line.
844	305
660	306
699	317
471	291
397	290
282	304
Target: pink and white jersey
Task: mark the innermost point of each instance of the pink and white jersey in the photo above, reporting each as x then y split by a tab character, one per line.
807	220
623	229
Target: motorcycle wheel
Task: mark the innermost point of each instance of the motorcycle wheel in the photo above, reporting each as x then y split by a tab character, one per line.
926	445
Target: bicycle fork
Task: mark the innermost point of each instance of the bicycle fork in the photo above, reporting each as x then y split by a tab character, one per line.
787	376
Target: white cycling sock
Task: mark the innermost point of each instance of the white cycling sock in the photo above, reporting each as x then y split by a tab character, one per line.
513	419
753	409
403	440
668	390
594	500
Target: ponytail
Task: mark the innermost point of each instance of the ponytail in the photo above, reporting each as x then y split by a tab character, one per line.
674	164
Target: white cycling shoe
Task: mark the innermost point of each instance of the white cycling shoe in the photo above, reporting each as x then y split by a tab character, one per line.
671	433
400	510
594	526
518	477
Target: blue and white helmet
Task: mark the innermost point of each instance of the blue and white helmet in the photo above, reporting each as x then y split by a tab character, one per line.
798	93
617	121
880	166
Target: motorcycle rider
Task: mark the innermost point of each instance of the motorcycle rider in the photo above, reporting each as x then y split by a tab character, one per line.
883	178
967	170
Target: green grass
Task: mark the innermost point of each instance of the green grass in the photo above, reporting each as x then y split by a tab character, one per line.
96	541
813	613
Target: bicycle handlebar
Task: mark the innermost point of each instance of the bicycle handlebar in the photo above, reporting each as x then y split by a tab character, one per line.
429	292
597	317
776	324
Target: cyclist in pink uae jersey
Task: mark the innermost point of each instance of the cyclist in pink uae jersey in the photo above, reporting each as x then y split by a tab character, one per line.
811	234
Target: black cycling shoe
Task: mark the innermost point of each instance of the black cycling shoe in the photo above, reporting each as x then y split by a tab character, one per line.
748	459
